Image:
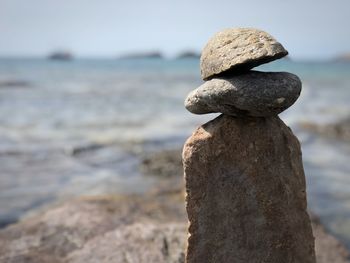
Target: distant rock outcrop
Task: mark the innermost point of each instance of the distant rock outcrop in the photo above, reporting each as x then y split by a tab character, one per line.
61	55
14	84
343	58
143	55
188	55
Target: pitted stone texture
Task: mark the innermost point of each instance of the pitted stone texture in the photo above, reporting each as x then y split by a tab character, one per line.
238	49
246	199
253	93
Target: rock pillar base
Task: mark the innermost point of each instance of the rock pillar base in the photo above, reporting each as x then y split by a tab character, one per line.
246	199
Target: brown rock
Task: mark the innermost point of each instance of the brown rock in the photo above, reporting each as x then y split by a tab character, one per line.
238	49
246	199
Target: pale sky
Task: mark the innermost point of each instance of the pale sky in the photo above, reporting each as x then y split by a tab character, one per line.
309	29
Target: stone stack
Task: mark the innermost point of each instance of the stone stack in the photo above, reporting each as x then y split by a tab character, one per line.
245	183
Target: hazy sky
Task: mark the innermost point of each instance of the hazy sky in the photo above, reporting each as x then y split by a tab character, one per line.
307	28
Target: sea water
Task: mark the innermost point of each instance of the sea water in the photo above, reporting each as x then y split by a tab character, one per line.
70	128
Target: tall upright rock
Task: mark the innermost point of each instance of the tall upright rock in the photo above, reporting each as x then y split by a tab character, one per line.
245	183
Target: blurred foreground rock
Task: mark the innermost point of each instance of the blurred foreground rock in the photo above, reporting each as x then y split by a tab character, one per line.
164	164
339	130
134	229
105	229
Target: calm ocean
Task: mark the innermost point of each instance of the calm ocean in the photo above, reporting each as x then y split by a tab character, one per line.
50	110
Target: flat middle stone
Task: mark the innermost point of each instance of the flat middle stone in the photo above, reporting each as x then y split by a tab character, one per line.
259	94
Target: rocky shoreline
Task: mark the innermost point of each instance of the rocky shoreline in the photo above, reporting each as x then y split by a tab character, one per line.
134	229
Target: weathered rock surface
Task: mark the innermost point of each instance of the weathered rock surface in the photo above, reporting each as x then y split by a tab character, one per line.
238	49
246	199
250	94
137	243
105	230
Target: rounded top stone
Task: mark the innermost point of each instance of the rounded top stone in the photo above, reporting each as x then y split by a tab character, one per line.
238	49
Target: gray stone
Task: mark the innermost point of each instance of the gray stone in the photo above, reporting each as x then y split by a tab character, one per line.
250	94
246	198
238	49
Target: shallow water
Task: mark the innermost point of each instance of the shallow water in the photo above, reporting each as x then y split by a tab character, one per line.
73	128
